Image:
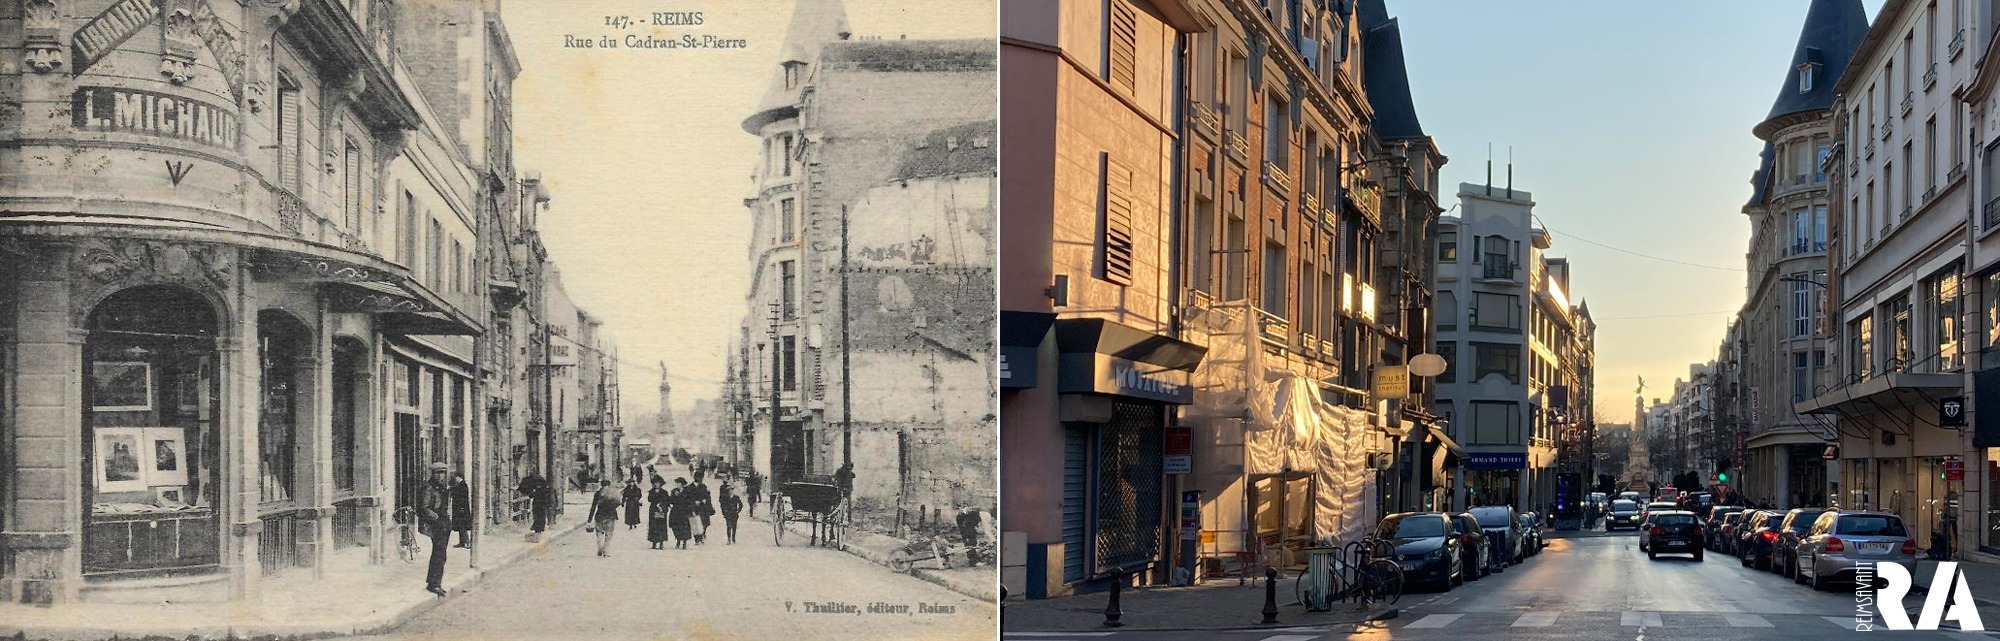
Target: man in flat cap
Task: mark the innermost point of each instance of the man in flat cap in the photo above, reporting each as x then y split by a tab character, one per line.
434	508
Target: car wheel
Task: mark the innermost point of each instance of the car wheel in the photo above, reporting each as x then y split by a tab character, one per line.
1818	583
1743	559
1655	556
1697	556
1798	573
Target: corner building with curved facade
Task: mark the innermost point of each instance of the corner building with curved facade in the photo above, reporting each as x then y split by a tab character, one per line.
237	291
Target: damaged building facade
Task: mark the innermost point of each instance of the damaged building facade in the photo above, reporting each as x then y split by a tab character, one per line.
868	341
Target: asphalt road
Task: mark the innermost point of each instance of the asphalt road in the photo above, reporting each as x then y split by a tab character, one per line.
1597	586
751	590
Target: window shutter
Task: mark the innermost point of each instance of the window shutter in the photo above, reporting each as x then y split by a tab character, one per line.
288	139
353	170
1123	43
1118	243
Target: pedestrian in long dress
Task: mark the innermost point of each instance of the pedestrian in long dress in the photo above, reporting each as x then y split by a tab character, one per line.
732	505
661	502
704	507
603	518
632	496
536	489
461	510
681	512
754	487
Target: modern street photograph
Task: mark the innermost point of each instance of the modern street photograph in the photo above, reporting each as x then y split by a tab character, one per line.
1385	319
499	319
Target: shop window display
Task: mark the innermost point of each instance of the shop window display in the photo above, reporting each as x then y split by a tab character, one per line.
151	434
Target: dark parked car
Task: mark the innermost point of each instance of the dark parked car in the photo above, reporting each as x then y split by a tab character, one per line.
1785	551
1624	513
1713	526
1503	530
1426	546
1727	538
1756	537
1531	532
1472	547
1674	532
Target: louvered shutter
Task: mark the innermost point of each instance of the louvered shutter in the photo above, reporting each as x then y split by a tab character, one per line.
1118	243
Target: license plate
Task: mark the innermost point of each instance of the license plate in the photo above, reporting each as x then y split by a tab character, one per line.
1676	542
1875	546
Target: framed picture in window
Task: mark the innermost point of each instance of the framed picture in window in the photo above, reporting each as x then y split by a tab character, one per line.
122	459
170	496
121	386
166	456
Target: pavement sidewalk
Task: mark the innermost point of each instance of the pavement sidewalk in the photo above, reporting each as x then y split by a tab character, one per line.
353	597
981	582
1984	578
1219	605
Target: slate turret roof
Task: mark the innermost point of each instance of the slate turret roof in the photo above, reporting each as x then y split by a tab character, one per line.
1383	73
1833	30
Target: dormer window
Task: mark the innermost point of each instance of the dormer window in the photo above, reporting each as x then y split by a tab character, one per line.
795	71
1806	73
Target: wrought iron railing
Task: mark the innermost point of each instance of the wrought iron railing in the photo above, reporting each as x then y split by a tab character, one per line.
1498	269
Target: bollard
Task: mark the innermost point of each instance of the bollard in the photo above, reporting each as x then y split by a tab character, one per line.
1270	595
1111	611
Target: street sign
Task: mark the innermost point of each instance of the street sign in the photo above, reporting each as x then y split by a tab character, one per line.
1756	415
1951	412
1180	450
1190	515
1391	381
1954	470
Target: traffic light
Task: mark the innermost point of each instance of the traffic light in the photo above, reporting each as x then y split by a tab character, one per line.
1722	476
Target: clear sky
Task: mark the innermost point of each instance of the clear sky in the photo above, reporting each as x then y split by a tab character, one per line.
648	166
1630	122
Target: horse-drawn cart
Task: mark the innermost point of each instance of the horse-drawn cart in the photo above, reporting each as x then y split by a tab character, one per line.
817	504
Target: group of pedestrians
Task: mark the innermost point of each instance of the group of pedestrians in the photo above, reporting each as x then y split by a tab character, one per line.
684	512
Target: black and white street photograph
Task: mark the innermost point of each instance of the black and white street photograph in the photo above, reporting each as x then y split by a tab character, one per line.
498	319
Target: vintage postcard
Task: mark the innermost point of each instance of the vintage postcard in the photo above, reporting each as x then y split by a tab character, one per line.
485	319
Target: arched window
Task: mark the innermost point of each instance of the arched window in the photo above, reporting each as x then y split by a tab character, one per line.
151	443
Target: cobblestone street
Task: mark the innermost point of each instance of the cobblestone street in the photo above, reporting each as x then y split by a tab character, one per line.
751	590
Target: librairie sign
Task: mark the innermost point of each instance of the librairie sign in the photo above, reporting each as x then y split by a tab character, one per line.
153	114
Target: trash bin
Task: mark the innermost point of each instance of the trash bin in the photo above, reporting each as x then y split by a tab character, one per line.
1319	575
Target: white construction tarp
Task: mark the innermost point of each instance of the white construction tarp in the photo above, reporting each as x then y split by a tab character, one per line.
1288	426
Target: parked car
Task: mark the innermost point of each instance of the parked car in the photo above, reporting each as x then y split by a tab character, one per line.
1756	537
1624	513
1697	502
1660	506
1531	532
1785	551
1672	532
1635	497
1503	530
1712	528
1478	559
1731	522
1837	541
1426	546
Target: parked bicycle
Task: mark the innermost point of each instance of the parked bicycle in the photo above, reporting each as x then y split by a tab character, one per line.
1363	571
406	534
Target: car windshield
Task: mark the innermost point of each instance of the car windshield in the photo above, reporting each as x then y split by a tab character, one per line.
1491	517
1732	517
1870	525
1624	506
1413	527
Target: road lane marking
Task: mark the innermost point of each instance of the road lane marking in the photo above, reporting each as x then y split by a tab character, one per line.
1435	621
1746	620
1646	619
1536	620
1292	637
1844	622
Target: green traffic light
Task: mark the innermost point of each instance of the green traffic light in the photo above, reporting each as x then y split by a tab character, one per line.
1723	477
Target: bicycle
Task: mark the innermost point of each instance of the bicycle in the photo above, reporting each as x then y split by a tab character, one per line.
406	534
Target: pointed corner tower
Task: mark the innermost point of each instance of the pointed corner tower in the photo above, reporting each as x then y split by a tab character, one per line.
1833	31
814	24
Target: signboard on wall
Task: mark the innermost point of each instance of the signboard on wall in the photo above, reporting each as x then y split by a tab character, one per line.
1180	450
1496	460
1954	470
1391	381
153	114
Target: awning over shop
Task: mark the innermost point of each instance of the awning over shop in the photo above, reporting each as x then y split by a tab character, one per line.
1021	336
1892	389
1104	357
1450	446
